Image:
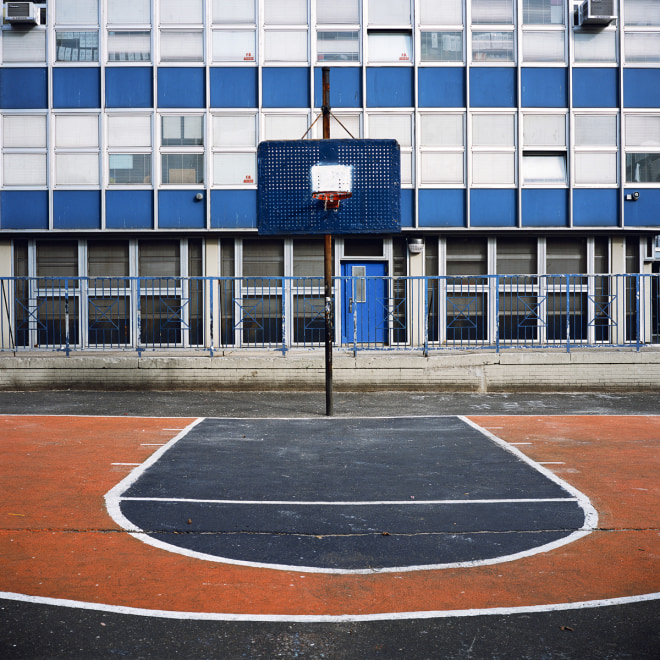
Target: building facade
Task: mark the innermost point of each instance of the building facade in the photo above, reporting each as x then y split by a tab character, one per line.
529	135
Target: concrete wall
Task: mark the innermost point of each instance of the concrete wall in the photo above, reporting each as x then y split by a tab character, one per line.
468	372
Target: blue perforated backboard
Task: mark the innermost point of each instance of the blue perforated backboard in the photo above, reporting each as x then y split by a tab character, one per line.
290	172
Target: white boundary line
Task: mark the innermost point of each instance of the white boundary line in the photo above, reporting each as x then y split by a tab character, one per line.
114	496
341	618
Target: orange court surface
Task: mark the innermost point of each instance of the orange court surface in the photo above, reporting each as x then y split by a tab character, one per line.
58	543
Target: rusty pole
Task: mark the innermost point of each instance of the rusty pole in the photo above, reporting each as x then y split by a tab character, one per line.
327	259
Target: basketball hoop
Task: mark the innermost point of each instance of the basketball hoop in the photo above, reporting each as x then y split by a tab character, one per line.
331	199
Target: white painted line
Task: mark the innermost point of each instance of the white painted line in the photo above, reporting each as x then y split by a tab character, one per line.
348	503
327	618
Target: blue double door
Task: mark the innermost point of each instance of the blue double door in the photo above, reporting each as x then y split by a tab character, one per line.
364	302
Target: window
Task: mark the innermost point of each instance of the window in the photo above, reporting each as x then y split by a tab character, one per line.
234	150
595	149
543	46
494	12
493	149
129	144
543	12
442	148
76	149
285	45
159	259
129	12
641	12
338	12
442	46
595	47
566	256
180	134
234	46
642	47
24	46
390	46
129	46
343	125
77	46
181	46
77	12
492	46
448	12
516	256
285	12
175	12
389	12
397	126
233	11
340	46
642	138
466	256
24	146
544	144
285	127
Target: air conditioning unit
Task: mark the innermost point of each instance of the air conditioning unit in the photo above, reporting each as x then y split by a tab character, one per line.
22	13
597	12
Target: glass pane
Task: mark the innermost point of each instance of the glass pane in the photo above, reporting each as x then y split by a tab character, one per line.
181	46
233	11
595	46
492	47
389	12
493	168
516	255
595	168
234	46
493	130
338	46
129	169
544	169
77	12
442	167
641	12
441	130
466	256
182	130
77	131
308	258
129	131
24	131
175	12
285	127
337	12
441	12
24	169
182	168
442	46
77	169
24	46
129	11
158	259
643	168
397	127
107	258
77	46
566	256
643	130
595	131
544	130
390	46
234	169
129	46
492	11
57	259
543	12
263	258
642	46
350	128
285	45
540	46
285	12
234	131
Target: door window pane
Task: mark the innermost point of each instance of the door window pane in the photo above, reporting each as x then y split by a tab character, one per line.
129	46
442	46
492	46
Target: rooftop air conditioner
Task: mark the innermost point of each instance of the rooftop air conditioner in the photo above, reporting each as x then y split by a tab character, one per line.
22	13
597	12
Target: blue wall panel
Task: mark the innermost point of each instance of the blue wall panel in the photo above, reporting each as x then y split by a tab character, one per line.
180	209
595	208
493	208
233	209
641	88
389	87
493	87
345	87
24	88
441	208
129	87
76	87
645	212
285	87
233	87
544	207
407	207
77	209
181	87
544	87
129	209
595	88
24	209
441	87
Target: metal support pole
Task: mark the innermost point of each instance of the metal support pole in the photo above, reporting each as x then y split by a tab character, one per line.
327	258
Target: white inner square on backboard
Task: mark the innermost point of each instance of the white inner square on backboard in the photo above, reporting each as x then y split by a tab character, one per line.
332	178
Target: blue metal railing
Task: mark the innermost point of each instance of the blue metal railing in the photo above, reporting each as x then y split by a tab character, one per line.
493	312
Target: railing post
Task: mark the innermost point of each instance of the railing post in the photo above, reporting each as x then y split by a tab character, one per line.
66	315
138	320
208	282
497	314
568	314
285	294
638	311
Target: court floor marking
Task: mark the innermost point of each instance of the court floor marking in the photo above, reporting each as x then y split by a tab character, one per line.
328	618
340	503
114	498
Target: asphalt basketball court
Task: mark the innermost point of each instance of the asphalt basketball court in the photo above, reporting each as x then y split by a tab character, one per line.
303	536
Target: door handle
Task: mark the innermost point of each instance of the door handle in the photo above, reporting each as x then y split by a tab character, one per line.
350	305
